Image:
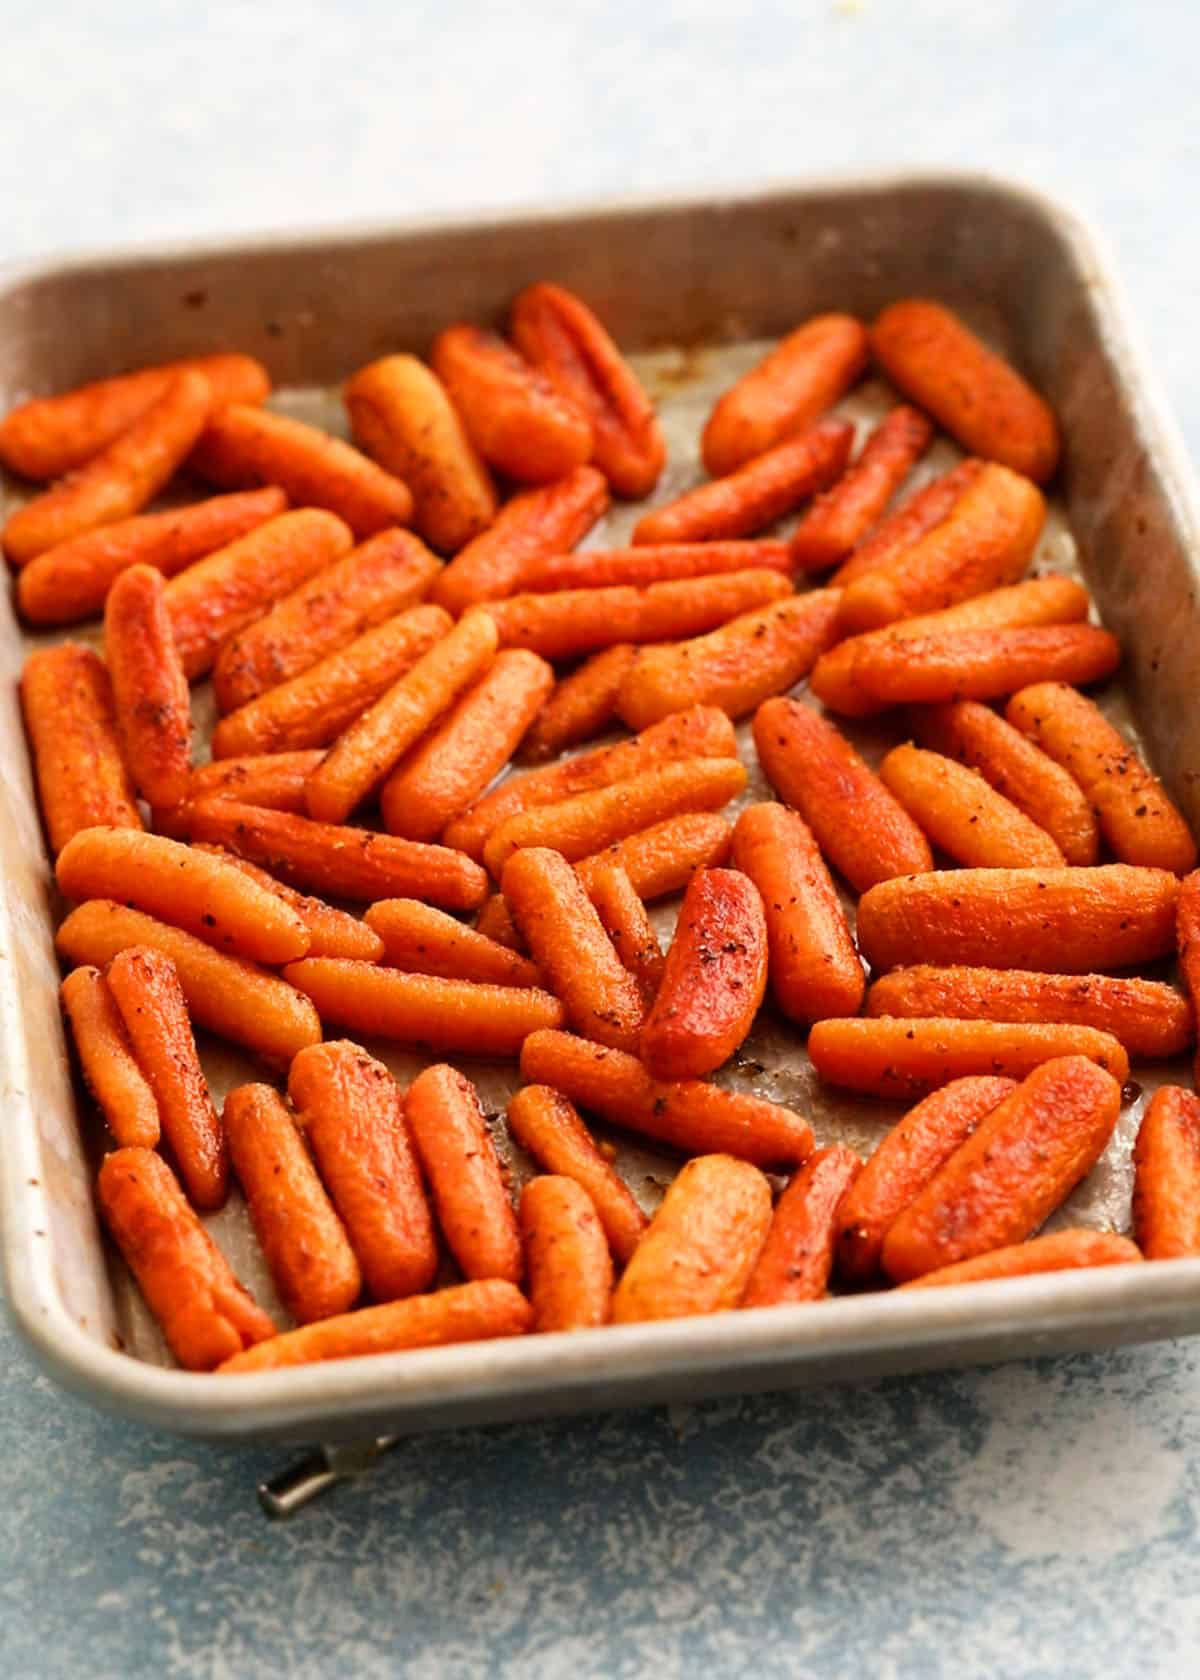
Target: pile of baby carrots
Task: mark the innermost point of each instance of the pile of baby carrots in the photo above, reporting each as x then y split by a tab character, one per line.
387	624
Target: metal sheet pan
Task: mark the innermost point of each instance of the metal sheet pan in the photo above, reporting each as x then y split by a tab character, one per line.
693	287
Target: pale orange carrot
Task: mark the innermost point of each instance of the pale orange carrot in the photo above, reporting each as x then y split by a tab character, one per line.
582	705
110	1069
545	1123
422	940
1060	1251
464	1175
150	687
963	815
623	918
1166	1181
842	515
919	513
70	719
566	1256
663	858
331	933
605	568
797	1257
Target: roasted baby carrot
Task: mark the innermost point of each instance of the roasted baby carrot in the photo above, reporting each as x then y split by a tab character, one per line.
582	705
120	480
150	687
451	765
842	515
980	664
1150	1019
515	416
1021	1161
71	580
962	814
146	991
422	940
934	358
380	578
663	858
688	1114
351	1111
802	377
558	333
566	939
464	1174
917	514
232	998
110	1069
814	968
495	923
272	780
242	447
702	1244
1136	814
623	918
1166	1181
900	1056
331	933
206	1315
747	660
797	1257
1057	921
566	1256
903	1163
70	719
605	568
303	1241
862	829
1059	1251
757	493
545	1123
1187	935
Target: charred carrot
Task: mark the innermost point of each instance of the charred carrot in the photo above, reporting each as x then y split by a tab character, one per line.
797	1257
464	1175
582	705
515	416
272	780
606	568
1187	934
545	1123
663	858
963	815
422	940
841	516
982	664
331	933
566	1256
1059	1251
917	514
814	968
623	918
1166	1182
71	722
110	1069
702	1244
150	687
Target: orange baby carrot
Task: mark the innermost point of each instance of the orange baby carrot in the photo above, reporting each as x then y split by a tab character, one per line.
566	1256
362	756
901	1056
471	1312
814	968
1021	1161
623	918
1187	935
917	514
516	418
464	1175
1149	1018
605	568
1136	814
566	939
527	528
206	1315
903	1163
302	1238
558	333
689	1115
981	664
964	815
71	580
495	923
242	447
389	572
146	991
797	1257
272	780
545	1123
930	355
1016	768
714	978
351	1111
70	719
1057	921
1166	1183
842	515
314	708
232	998
331	933
451	765
422	940
110	1069
861	828
802	377
120	480
150	687
582	705
752	657
1060	1251
757	493
663	858
401	416
702	1244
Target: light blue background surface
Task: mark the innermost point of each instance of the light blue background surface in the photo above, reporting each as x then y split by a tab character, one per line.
1034	1520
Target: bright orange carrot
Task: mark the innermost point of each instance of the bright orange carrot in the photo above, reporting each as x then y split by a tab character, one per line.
331	933
1057	921
1060	1251
352	1112
689	1115
814	968
1187	935
242	447
964	815
558	333
422	940
802	377
146	991
702	1244
1021	1161
516	417
205	1313
302	1238
663	858
566	1256
757	493
606	568
495	923
272	780
464	1174
545	1123
844	514
862	828
150	687
797	1257
919	513
982	664
1136	814
452	764
930	355
109	1066
70	719
623	918
1166	1183
582	705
